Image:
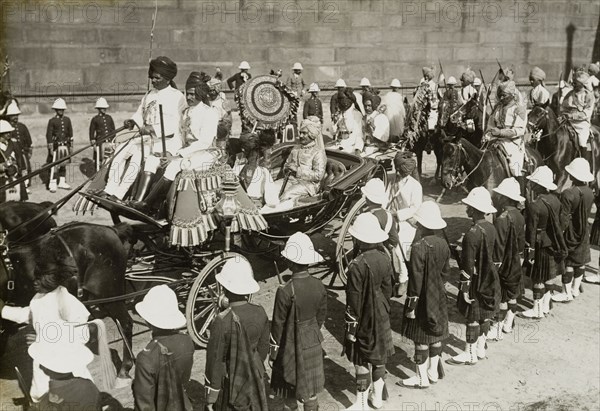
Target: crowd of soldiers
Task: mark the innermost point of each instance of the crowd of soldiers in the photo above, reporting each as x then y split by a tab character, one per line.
399	249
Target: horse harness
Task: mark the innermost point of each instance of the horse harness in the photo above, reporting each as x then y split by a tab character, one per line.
64	244
8	267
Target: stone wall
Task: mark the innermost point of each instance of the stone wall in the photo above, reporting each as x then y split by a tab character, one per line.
57	47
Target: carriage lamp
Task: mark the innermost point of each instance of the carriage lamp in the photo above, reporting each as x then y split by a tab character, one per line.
228	205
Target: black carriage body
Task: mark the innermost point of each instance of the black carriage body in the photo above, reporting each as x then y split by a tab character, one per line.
336	194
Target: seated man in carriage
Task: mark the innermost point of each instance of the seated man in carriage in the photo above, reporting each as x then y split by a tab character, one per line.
305	166
377	125
161	72
507	126
199	130
348	128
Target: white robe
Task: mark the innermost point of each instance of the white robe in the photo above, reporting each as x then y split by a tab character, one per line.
395	112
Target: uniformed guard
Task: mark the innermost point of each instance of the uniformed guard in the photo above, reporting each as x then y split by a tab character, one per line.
576	203
376	203
8	165
295	82
467	91
546	248
510	244
376	125
578	107
334	106
594	278
368	342
507	125
428	74
313	106
21	135
300	310
449	104
164	367
59	136
238	344
235	82
60	358
539	95
479	293
100	125
425	319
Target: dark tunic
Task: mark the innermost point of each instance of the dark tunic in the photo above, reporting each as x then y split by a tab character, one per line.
595	232
390	226
234	82
152	377
368	295
313	107
299	313
101	125
576	208
510	243
544	238
477	262
71	394
59	130
429	261
8	160
21	134
224	347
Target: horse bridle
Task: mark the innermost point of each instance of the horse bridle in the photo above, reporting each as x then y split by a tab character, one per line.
456	165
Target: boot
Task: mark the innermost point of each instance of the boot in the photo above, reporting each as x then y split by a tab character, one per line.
546	303
62	183
576	289
52	186
495	333
565	297
420	379
377	395
592	278
435	371
509	322
467	357
361	401
142	189
535	312
481	347
156	196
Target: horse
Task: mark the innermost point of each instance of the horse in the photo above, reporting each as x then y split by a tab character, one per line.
96	254
553	140
15	213
417	136
484	167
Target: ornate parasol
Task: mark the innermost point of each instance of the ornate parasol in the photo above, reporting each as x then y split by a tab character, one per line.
266	101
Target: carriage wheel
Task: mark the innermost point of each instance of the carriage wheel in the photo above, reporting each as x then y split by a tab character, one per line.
202	304
344	245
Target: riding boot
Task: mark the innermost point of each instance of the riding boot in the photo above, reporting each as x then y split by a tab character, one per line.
156	196
142	189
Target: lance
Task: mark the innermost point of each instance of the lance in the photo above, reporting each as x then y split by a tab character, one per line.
560	79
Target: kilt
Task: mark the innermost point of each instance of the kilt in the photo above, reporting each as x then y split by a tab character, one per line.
308	365
353	352
414	331
474	312
545	266
314	372
581	254
511	291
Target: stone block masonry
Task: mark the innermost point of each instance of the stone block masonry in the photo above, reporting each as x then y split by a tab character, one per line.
103	43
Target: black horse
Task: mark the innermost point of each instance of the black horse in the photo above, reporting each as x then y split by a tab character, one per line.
484	167
13	215
96	255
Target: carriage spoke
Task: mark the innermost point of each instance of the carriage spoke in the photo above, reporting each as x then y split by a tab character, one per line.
207	323
204	312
